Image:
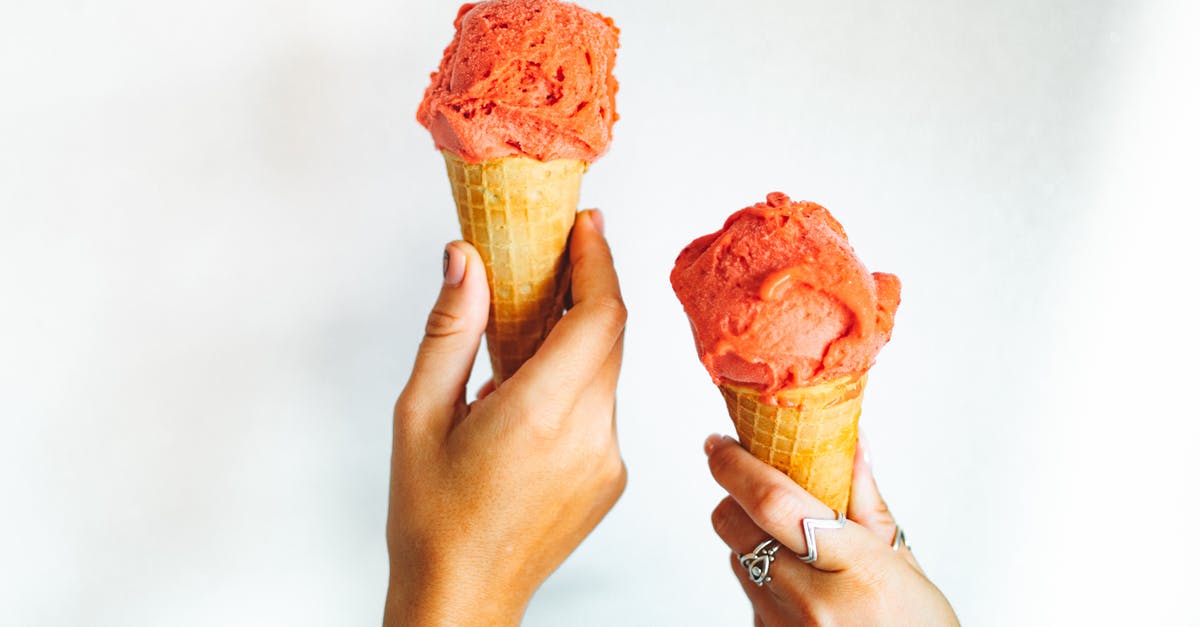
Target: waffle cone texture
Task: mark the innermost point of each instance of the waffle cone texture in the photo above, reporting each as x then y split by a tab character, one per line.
811	434
518	213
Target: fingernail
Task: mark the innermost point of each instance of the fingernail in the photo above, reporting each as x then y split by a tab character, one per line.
597	220
866	449
454	265
710	443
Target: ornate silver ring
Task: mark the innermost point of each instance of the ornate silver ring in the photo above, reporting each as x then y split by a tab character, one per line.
758	562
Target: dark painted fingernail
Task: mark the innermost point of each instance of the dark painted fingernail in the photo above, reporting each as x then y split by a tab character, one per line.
454	265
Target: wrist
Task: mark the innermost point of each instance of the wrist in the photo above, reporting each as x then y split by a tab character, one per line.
416	598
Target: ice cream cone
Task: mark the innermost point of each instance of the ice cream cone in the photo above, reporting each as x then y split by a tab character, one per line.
811	434
518	213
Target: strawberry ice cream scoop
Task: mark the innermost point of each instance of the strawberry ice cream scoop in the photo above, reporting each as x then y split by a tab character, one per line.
777	299
524	78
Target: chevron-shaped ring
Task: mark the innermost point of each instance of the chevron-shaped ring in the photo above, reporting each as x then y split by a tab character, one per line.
810	537
899	540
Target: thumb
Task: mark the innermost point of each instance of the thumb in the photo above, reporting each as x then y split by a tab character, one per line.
867	507
437	388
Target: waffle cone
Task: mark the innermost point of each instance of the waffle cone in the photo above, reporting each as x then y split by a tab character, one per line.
811	434
518	213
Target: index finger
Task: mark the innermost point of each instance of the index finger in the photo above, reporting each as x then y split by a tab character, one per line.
582	341
779	506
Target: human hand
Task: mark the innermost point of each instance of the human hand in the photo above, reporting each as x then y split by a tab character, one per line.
488	499
857	578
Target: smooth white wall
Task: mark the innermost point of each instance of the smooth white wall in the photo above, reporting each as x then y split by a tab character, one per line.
221	229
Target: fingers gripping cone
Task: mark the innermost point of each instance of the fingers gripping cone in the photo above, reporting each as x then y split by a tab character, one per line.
518	213
811	434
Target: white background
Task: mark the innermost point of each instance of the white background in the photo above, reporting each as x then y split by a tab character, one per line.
222	229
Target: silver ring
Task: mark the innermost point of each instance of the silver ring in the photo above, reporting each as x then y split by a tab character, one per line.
899	541
758	561
810	536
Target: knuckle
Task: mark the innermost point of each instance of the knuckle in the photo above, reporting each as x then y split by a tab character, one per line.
818	610
543	427
442	323
876	517
611	309
817	615
776	506
881	515
617	476
406	407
